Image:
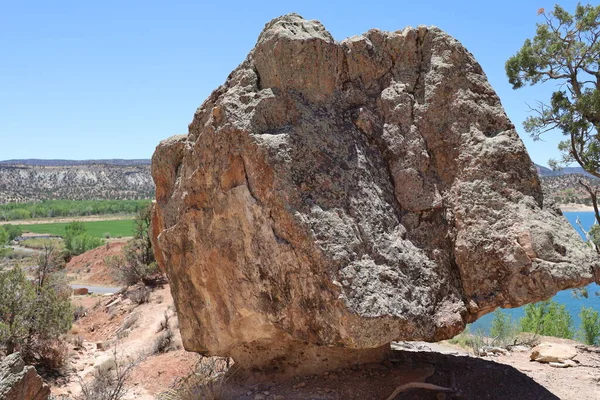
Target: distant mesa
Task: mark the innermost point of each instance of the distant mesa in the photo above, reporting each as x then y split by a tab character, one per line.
35	180
65	163
547	172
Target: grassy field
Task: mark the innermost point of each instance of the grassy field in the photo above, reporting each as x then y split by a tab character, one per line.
116	228
69	208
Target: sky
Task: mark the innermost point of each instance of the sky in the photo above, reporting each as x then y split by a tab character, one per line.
112	78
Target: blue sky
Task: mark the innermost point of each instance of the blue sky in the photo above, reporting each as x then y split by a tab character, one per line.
110	79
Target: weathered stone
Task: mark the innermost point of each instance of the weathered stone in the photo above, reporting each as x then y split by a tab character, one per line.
342	195
553	352
20	382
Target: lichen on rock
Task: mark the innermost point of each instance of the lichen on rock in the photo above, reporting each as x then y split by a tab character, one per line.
342	195
21	382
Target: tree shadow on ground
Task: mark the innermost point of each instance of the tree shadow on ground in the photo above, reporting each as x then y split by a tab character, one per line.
473	378
469	377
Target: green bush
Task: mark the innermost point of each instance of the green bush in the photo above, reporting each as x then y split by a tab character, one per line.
590	326
137	264
12	231
69	208
547	318
78	241
3	237
32	317
504	330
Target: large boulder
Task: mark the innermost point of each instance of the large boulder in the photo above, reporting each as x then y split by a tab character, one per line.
20	382
553	352
332	197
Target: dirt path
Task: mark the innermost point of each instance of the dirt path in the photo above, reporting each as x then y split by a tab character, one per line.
115	323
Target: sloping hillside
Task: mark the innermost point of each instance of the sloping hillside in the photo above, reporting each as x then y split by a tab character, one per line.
566	189
546	172
20	182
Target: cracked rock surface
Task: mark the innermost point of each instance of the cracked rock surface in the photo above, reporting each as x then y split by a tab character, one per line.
332	197
21	382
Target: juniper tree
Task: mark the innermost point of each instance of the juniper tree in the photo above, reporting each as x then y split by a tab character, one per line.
565	50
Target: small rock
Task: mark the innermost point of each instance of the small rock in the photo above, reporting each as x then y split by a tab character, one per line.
259	397
564	364
520	348
299	386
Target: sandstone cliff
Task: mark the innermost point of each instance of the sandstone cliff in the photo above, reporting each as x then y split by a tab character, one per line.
341	195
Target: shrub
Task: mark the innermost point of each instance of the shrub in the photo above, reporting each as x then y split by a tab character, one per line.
79	312
78	241
164	342
547	318
129	269
208	381
590	326
129	322
137	264
51	354
109	382
77	341
139	296
164	324
504	330
8	232
32	317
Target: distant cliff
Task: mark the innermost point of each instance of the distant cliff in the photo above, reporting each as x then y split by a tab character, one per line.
547	172
31	180
34	179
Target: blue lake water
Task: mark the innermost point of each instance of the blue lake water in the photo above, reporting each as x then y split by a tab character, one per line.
565	297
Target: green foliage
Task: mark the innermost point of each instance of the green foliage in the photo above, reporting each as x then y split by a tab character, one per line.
81	243
116	228
137	264
590	326
3	237
504	330
74	228
40	243
77	240
69	208
31	315
565	49
547	318
594	235
9	232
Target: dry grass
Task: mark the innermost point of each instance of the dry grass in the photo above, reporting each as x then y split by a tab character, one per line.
208	381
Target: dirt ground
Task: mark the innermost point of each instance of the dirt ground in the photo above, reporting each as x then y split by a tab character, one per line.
511	376
116	323
90	267
506	377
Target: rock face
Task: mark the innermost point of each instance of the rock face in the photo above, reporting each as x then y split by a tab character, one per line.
341	195
20	382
